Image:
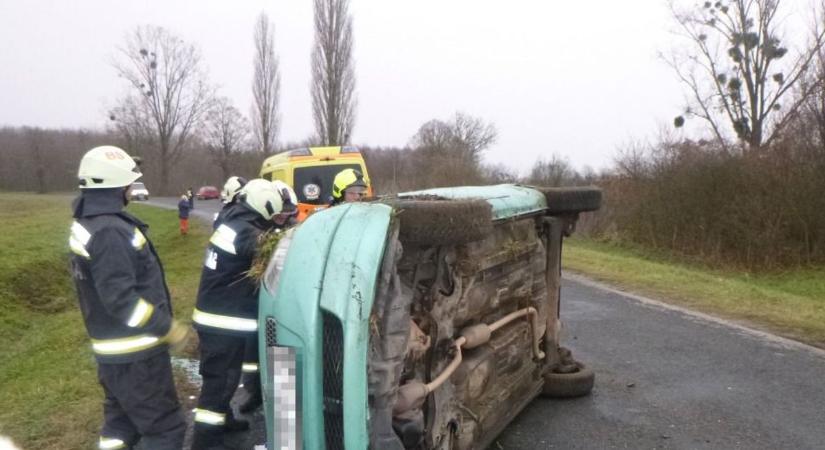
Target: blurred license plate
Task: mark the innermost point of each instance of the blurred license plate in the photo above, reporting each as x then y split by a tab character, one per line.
286	413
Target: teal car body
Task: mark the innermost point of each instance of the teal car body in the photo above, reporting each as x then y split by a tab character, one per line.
330	269
326	278
506	200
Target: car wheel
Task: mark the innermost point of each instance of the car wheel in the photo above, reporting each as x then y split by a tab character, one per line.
442	222
568	381
571	199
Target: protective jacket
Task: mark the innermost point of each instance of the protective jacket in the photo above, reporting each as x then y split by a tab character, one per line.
183	209
221	215
119	279
227	298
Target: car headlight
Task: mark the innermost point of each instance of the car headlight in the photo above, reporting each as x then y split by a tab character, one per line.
276	263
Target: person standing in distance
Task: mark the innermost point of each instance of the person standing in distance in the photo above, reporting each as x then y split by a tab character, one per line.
183	214
226	314
126	307
190	194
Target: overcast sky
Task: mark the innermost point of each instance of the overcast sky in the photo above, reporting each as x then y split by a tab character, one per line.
573	78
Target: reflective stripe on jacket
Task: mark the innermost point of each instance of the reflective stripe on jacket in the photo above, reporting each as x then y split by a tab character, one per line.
121	287
227	298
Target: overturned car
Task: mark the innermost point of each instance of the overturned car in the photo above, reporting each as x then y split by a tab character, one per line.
422	321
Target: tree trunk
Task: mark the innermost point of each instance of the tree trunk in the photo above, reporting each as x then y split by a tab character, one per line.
164	165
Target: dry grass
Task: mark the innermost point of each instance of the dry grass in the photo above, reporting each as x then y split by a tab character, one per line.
789	303
49	394
267	243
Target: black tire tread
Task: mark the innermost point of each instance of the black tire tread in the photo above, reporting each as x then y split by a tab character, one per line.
569	385
435	221
571	199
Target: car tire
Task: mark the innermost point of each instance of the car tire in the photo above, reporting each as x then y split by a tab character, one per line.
571	199
441	221
568	381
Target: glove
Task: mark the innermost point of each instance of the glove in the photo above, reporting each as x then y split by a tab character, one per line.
178	336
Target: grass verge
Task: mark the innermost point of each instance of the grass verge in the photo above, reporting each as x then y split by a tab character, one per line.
49	394
791	304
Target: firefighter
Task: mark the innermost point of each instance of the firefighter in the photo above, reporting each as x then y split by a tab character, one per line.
126	307
227	308
230	191
349	185
251	380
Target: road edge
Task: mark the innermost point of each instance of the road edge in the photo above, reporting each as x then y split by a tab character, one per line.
760	334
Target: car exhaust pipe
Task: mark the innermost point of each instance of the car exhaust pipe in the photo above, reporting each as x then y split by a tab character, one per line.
412	394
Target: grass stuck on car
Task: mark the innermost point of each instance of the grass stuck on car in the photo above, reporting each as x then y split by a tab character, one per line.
427	320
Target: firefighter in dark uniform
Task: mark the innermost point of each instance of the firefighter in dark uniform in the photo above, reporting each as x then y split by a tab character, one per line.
126	308
226	313
229	193
251	379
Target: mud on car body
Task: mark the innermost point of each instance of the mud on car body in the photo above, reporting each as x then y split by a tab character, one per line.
425	321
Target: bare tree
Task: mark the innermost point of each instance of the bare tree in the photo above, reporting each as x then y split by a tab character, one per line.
473	135
465	136
226	133
333	72
450	152
266	86
810	125
433	137
499	174
169	93
131	121
36	138
553	171
736	71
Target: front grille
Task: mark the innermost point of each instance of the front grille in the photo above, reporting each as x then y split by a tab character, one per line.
271	333
333	356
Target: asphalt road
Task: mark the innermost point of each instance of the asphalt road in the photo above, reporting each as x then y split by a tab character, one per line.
666	379
204	209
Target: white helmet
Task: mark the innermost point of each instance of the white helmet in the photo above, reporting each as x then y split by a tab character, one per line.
262	197
231	188
290	200
107	167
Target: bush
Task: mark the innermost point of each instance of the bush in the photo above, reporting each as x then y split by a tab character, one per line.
761	210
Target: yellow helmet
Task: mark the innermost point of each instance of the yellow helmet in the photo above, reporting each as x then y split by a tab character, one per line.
346	179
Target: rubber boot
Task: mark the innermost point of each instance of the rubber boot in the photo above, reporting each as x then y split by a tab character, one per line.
209	440
232	424
252	386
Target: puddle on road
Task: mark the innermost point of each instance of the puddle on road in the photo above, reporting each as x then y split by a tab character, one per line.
190	368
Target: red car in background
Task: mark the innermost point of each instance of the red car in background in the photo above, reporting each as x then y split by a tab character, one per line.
207	193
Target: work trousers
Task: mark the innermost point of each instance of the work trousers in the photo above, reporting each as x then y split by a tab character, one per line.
141	405
220	368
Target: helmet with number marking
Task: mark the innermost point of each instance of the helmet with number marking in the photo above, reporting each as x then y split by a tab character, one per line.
107	167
